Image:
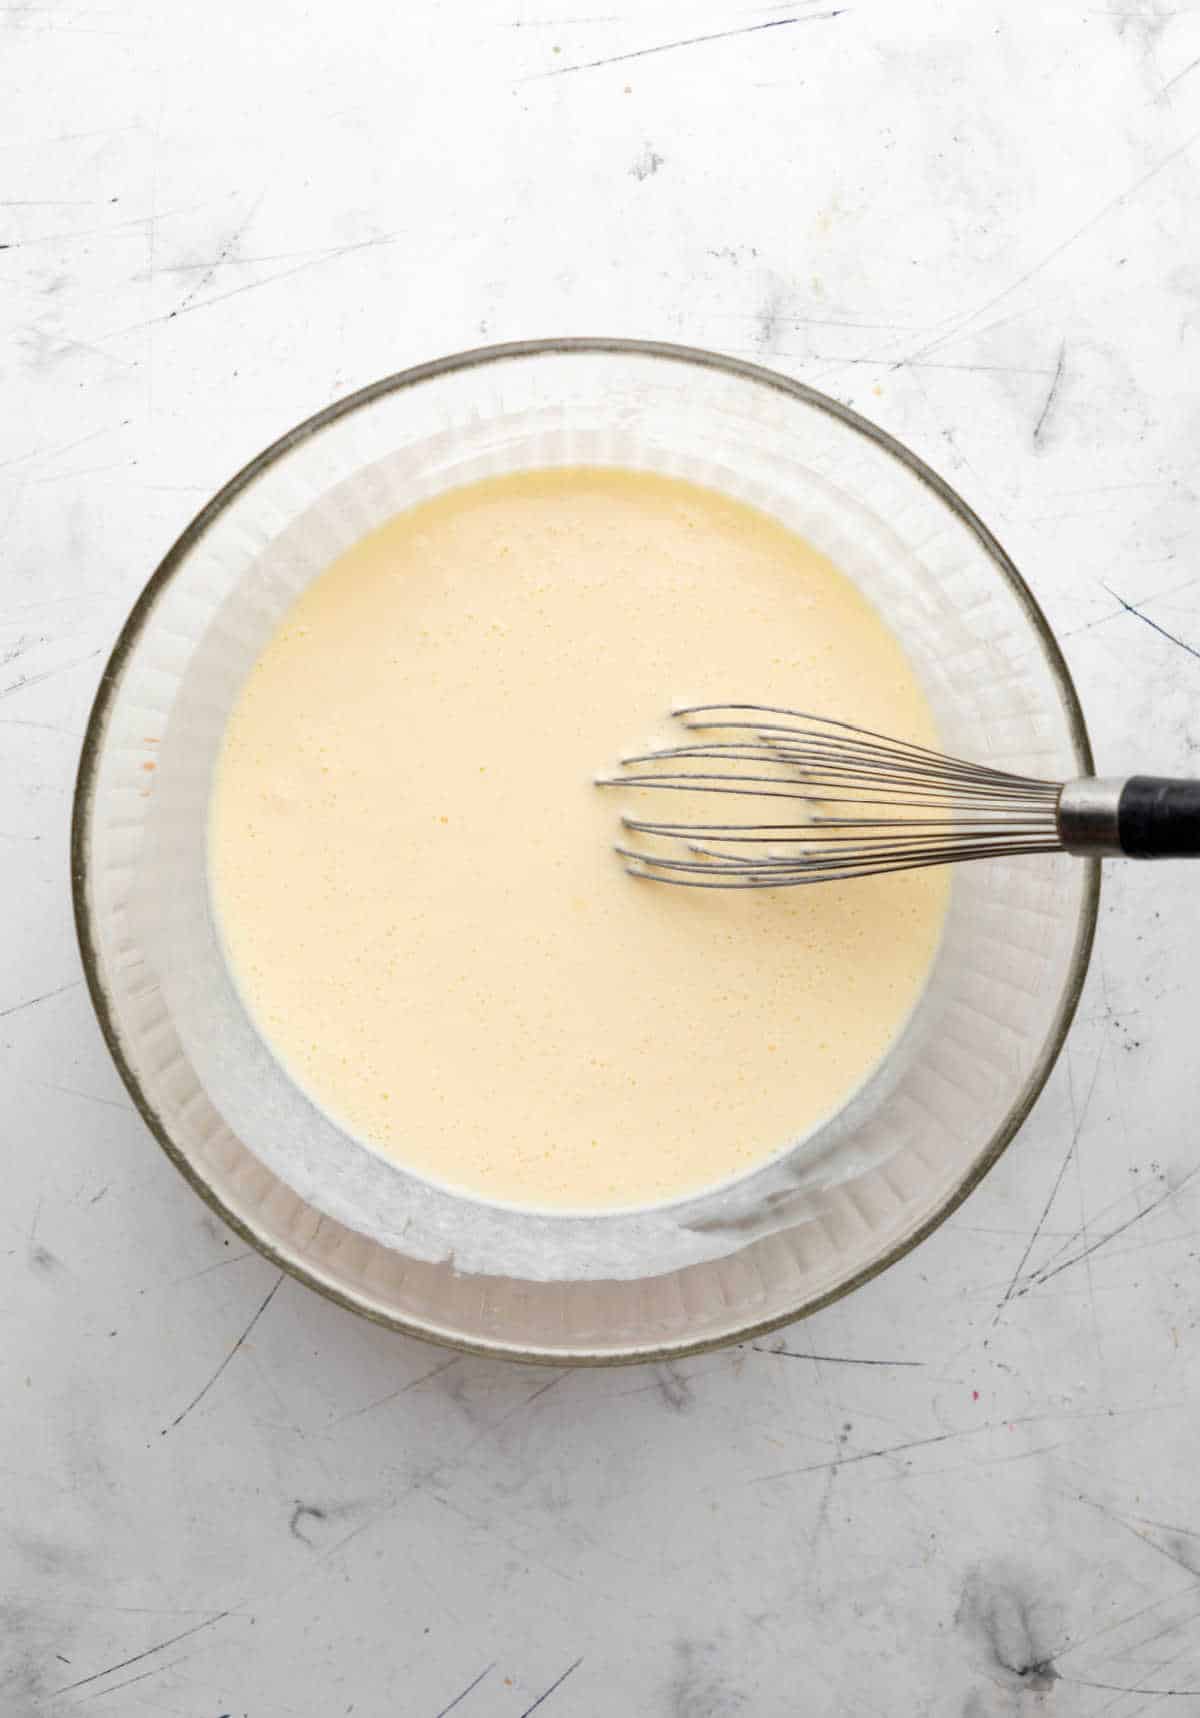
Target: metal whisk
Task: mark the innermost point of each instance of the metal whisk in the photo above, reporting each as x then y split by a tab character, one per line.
866	804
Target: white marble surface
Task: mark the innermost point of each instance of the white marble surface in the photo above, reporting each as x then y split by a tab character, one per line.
971	1488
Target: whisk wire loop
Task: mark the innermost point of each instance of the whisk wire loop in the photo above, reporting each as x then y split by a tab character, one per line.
866	804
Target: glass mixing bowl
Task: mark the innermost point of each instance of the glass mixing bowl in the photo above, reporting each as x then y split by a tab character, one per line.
806	1227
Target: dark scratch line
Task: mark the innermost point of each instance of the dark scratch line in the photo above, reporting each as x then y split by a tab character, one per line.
1073	1238
32	1001
88	1097
1074	1646
382	1401
1130	609
1120	1688
366	1526
542	1389
868	1455
459	1698
552	1687
987	1461
1049	1205
92	232
220	1265
1053	254
518	1407
1171	82
830	1359
1142	1538
910	364
18	648
222	257
1177	1626
313	253
1100	620
46	674
200	1394
1112	1234
26	722
938	1438
552	23
334	254
1051	396
685	42
1167	1527
53	452
185	1634
143	1676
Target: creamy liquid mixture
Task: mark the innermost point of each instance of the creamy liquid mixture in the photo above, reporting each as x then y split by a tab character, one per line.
414	873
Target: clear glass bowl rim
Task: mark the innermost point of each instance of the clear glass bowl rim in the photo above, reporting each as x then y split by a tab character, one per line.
477	357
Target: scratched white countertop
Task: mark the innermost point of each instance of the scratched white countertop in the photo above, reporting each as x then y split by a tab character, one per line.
969	1489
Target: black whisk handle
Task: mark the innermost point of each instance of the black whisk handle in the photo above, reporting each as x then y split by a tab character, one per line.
1158	817
1140	816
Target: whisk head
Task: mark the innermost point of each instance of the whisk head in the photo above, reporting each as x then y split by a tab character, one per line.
857	803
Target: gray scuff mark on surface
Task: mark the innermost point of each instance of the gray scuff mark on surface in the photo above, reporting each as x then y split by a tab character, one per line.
25	641
1001	1619
686	42
40	1257
1039	428
320	1514
201	1393
674	1388
301	1513
700	1687
647	164
769	317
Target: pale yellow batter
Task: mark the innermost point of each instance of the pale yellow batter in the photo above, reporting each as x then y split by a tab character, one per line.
414	872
